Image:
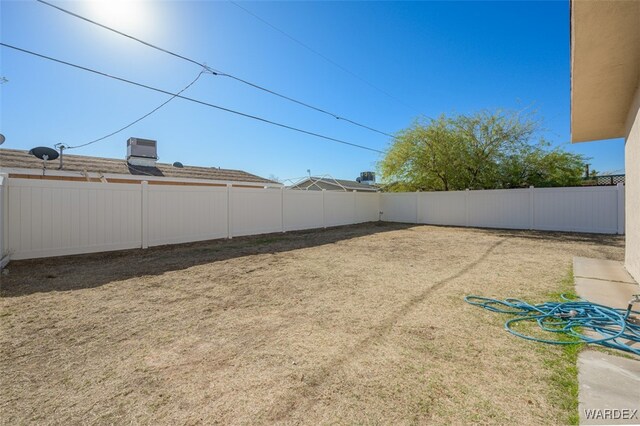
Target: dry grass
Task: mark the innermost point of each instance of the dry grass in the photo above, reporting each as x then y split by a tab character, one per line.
364	324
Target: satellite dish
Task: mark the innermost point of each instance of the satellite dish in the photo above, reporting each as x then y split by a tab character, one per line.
178	164
44	153
2	139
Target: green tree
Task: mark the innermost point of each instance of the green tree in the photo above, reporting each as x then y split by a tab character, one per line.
425	156
540	166
485	150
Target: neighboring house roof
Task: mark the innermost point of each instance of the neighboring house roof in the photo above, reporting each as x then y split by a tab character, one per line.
605	67
319	183
20	159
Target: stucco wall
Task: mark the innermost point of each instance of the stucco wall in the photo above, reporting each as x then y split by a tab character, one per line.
632	188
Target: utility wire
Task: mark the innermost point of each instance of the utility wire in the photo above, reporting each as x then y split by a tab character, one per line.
123	34
214	71
176	95
326	58
141	118
337	117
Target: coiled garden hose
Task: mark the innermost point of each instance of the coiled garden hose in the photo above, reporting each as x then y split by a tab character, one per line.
579	318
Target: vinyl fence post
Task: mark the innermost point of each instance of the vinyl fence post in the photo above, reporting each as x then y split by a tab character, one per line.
4	181
621	218
144	224
282	208
355	207
324	210
229	224
532	210
466	207
417	206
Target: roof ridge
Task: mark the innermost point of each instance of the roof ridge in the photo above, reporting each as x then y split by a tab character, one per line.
19	158
123	160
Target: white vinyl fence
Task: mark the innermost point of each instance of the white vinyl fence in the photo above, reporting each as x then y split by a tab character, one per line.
597	209
42	218
52	218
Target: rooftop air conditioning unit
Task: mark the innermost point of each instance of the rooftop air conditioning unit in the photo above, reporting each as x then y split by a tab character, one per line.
368	178
144	148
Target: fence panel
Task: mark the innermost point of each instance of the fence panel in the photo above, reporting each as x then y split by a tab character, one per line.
442	208
501	208
339	208
590	209
53	218
399	207
179	214
575	209
367	207
302	210
255	211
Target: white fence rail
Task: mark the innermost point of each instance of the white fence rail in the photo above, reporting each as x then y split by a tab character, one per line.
52	218
41	218
577	209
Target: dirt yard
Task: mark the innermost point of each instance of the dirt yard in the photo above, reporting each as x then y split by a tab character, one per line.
363	324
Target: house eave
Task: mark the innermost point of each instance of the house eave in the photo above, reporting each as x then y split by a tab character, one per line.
605	67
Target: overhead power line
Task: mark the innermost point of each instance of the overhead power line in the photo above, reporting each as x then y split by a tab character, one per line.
176	95
326	58
215	71
141	118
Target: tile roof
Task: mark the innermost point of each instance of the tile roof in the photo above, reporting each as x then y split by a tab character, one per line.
14	158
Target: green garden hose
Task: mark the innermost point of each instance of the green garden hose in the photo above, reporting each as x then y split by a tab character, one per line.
586	321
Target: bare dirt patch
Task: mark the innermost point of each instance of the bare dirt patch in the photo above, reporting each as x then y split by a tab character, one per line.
363	324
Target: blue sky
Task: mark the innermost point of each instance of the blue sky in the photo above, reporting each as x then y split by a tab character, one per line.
432	57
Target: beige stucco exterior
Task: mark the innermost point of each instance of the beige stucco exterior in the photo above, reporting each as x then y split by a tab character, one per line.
632	190
605	93
605	58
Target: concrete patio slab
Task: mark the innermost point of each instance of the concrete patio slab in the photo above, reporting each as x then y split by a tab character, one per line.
611	293
609	385
601	269
609	389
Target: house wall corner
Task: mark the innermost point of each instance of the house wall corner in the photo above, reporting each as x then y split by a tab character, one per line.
632	190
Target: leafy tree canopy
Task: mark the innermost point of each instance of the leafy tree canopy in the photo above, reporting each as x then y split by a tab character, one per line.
485	150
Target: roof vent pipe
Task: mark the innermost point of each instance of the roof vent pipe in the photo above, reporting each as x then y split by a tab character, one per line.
61	147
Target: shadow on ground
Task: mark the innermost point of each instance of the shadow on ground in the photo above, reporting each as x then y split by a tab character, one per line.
88	271
61	273
559	237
